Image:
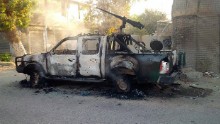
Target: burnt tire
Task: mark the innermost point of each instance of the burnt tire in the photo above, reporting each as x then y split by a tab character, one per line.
36	80
121	82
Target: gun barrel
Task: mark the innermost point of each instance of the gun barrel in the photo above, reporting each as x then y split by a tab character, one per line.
124	20
117	16
135	24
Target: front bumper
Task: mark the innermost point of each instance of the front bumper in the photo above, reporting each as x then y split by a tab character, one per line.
19	64
20	69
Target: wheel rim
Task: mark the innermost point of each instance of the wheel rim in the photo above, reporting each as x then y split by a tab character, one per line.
122	84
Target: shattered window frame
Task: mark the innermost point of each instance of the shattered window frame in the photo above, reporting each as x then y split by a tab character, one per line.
94	50
66	48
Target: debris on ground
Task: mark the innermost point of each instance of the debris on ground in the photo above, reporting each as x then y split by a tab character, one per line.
189	89
195	86
210	75
49	89
24	83
140	92
193	91
37	91
85	93
119	104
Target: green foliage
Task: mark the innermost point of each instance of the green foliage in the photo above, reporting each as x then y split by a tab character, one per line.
149	19
97	20
103	22
15	14
6	57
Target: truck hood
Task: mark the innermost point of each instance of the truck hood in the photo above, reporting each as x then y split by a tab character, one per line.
40	58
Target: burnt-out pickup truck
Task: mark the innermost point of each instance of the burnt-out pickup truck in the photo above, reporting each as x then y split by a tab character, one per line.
96	58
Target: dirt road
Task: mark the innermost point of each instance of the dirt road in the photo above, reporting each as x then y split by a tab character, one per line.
99	104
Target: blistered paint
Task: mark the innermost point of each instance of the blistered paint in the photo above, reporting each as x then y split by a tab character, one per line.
124	61
90	64
39	58
103	56
62	65
71	65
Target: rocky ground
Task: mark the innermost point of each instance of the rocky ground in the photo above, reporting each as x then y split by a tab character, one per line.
195	101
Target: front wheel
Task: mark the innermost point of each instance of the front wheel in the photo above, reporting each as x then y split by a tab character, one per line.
36	80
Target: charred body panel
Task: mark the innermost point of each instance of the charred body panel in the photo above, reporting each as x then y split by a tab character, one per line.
123	63
89	56
31	62
62	59
63	65
82	61
144	66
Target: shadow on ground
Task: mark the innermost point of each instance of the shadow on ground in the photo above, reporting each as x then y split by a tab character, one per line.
107	90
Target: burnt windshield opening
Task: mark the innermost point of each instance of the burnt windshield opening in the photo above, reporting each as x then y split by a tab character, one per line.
90	46
67	39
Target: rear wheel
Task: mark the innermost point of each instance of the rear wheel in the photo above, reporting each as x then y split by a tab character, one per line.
123	84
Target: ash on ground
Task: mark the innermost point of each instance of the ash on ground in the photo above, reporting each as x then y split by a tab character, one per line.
106	90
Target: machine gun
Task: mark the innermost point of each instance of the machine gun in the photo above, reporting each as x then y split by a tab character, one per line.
125	20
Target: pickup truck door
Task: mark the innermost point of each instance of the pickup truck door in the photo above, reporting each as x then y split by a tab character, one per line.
62	60
90	56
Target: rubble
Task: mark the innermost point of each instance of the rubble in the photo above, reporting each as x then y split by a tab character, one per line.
210	75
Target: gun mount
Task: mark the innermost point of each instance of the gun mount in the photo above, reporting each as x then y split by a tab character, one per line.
125	20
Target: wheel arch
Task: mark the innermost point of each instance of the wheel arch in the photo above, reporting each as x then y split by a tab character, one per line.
124	65
123	71
36	67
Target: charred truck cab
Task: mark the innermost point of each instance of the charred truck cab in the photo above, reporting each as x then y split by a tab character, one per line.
96	58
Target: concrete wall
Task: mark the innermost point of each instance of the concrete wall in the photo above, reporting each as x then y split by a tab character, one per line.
4	45
195	7
196	31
